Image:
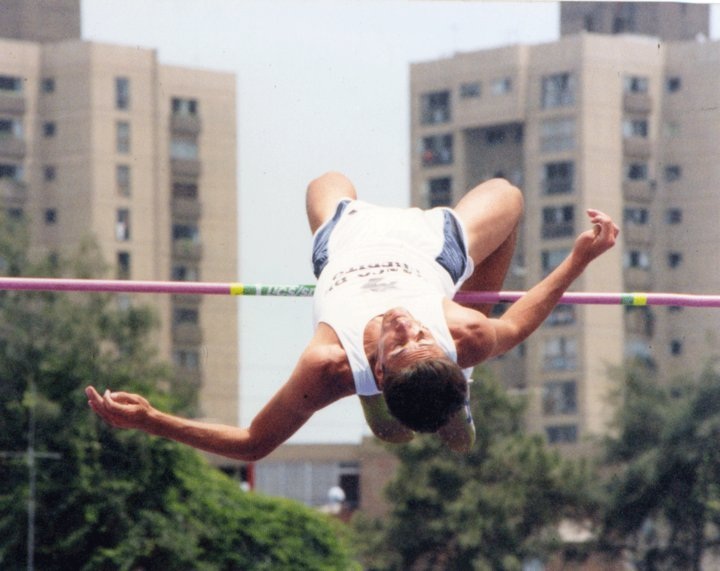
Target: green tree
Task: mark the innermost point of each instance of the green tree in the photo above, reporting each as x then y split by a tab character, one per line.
119	499
664	503
489	509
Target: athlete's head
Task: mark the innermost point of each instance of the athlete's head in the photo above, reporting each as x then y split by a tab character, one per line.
422	387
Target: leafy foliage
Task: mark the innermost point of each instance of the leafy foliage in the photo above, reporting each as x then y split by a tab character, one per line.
665	494
489	509
119	499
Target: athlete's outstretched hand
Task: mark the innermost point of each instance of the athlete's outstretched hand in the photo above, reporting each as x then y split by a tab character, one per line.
123	410
591	243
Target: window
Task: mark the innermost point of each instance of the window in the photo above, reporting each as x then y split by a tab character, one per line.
557	178
10	83
186	359
566	434
181	106
435	107
440	192
50	216
122	93
674	259
635	84
186	232
185	190
123	180
122	225
49	129
637	259
185	273
561	315
557	91
635	128
676	347
558	221
635	215
673	173
470	90
637	171
495	136
501	86
437	150
559	397
123	265
183	148
560	354
47	85
13	172
185	315
673	84
122	137
673	215
557	134
551	259
49	173
11	128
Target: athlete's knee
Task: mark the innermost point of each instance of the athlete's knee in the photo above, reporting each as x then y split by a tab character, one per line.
329	180
510	195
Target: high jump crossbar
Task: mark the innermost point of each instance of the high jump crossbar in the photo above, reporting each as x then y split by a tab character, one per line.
242	289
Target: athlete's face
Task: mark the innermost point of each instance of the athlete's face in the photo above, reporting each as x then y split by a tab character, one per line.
402	341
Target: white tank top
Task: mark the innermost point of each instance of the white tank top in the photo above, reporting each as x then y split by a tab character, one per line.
380	258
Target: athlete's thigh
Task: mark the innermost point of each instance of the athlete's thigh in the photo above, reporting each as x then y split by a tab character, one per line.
490	213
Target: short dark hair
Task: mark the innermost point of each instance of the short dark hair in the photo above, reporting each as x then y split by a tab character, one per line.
425	395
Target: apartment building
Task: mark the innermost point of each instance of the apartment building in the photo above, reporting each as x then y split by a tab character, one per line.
623	122
105	142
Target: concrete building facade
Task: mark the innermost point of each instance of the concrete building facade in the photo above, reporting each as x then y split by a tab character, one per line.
623	123
104	142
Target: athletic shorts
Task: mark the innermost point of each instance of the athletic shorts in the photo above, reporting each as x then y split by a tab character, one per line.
453	257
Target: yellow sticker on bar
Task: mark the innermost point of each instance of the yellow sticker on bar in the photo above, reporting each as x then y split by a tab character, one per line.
236	289
634	299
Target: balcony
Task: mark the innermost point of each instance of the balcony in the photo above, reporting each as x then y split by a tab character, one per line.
187	250
12	147
636	147
186	209
187	334
558	229
637	279
637	234
187	299
185	123
12	103
639	190
637	102
185	167
188	377
13	193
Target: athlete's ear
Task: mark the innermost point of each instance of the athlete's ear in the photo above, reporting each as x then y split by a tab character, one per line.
379	371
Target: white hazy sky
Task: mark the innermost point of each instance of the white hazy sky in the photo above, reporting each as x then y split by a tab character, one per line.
320	86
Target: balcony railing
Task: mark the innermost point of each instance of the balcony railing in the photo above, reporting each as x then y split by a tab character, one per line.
637	102
186	208
185	167
12	103
187	250
558	229
638	190
187	334
636	147
12	147
185	123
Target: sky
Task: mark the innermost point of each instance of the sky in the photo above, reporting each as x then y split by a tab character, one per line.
320	86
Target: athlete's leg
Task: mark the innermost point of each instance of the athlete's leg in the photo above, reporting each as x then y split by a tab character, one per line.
323	195
490	213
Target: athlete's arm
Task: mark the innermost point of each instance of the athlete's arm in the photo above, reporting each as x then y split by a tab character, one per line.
383	424
526	314
459	433
310	388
